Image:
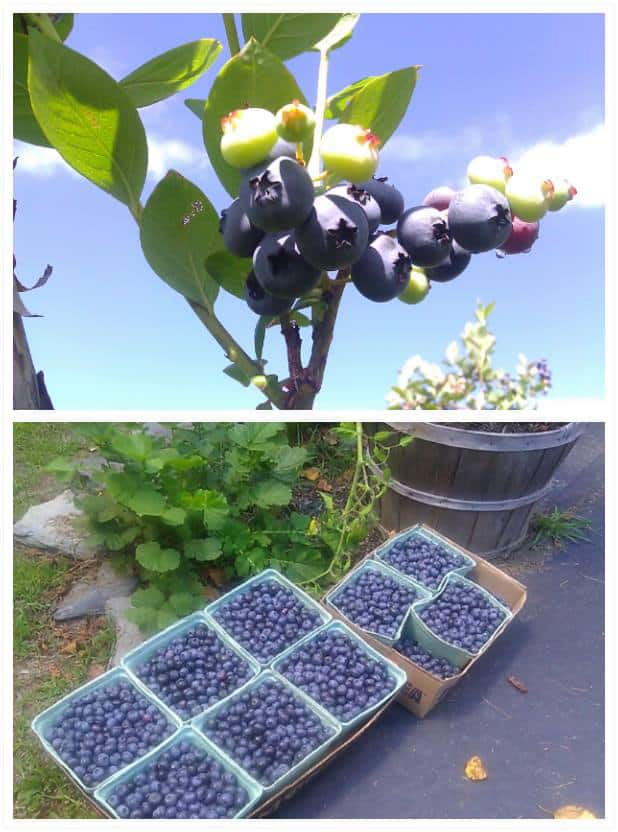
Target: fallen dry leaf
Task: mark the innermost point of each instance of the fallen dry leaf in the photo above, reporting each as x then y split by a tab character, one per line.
574	813
95	670
217	575
69	648
517	683
211	593
323	485
330	439
475	770
54	671
311	474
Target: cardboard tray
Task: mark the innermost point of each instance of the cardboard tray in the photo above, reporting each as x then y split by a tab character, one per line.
423	691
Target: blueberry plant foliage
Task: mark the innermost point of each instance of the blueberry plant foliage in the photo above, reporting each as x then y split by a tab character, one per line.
308	215
219	495
469	379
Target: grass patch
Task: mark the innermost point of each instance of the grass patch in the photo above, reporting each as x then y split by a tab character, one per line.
51	658
559	528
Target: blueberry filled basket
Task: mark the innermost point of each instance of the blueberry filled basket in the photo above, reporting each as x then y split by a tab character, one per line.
267	614
376	599
433	561
257	732
212	664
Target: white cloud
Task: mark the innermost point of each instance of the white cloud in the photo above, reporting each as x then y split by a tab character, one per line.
582	159
433	145
39	161
163	154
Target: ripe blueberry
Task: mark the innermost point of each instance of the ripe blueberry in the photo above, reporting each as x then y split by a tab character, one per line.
267	730
422	560
479	218
334	235
425	235
278	195
240	236
462	616
374	601
383	271
522	237
350	152
295	122
265	618
387	196
193	671
528	196
338	673
455	263
248	136
103	730
440	198
261	302
489	170
184	781
417	287
279	268
361	197
435	665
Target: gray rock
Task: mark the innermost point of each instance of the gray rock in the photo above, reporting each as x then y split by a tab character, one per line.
157	431
50	526
128	634
90	597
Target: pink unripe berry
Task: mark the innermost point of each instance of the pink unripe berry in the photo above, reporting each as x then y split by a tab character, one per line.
522	237
439	198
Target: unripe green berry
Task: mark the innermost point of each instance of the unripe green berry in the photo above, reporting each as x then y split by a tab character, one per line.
563	193
248	136
489	170
528	196
295	122
350	152
417	288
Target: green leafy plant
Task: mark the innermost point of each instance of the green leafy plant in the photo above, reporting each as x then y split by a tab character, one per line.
559	527
469	379
214	495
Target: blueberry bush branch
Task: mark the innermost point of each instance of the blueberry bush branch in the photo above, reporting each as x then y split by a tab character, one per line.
290	224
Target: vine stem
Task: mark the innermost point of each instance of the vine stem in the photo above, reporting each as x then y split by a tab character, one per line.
44	23
231	33
320	106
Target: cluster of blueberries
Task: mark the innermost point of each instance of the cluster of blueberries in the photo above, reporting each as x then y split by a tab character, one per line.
462	616
436	665
294	236
181	782
267	730
105	729
375	601
266	618
338	673
193	671
422	560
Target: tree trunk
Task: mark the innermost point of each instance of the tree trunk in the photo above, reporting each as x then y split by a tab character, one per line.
29	391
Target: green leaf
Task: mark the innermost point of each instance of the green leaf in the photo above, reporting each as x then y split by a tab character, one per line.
152	557
196	105
25	126
166	616
301	320
339	34
88	118
234	371
216	509
144	617
170	72
149	597
62	468
254	77
290	459
229	271
303	564
260	335
183	603
174	516
382	102
63	24
288	35
271	493
116	541
178	230
336	104
136	446
209	548
147	501
327	499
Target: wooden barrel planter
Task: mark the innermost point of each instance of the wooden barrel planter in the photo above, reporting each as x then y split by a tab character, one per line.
477	488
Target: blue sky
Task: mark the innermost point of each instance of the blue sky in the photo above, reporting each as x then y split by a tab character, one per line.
114	336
